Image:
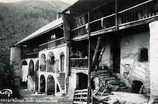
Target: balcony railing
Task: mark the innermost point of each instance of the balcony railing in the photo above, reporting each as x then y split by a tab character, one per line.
79	63
30	52
52	43
140	12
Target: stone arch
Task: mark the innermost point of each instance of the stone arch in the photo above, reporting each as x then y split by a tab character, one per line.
43	62
42	84
36	74
31	75
82	81
50	62
62	62
136	86
50	85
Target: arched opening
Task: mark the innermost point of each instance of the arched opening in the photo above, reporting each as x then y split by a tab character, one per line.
43	62
36	75
136	86
82	81
31	75
62	59
50	62
50	85
42	84
24	74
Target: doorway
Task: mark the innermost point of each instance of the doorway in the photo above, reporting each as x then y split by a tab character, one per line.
82	81
50	85
42	84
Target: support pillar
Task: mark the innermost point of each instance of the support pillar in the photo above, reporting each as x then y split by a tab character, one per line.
15	61
153	67
39	86
46	84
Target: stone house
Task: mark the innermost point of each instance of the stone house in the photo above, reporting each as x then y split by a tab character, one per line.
97	40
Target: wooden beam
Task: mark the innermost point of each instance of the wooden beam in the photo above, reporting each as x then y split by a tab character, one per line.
116	15
96	50
89	62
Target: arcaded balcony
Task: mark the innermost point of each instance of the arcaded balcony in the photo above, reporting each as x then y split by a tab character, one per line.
125	17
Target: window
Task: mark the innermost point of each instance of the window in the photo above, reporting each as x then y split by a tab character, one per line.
24	62
143	55
62	58
50	62
43	62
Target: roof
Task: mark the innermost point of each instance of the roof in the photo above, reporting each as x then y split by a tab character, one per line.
82	6
85	5
42	30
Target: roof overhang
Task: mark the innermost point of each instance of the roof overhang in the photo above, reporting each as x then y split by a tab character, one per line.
85	5
54	24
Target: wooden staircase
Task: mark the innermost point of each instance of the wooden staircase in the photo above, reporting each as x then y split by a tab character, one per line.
80	96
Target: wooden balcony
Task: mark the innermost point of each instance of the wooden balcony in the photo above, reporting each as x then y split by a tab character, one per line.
79	63
52	43
30	52
138	14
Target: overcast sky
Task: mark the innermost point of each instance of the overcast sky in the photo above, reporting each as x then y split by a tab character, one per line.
6	1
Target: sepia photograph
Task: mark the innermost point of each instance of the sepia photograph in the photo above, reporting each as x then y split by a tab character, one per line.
78	51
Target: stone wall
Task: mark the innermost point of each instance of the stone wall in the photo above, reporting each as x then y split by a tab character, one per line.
131	66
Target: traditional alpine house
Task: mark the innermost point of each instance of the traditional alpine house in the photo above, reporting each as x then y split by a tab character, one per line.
95	43
40	59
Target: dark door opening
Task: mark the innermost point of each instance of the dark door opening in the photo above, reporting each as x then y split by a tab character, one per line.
115	52
50	85
136	86
82	81
42	84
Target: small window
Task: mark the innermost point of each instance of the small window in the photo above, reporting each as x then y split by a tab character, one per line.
51	62
24	63
62	58
143	56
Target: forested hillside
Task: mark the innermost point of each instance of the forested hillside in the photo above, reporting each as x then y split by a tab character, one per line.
19	19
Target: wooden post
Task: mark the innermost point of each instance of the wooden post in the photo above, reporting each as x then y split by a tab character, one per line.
89	62
116	15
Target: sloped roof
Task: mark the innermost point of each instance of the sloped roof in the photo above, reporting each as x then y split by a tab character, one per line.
42	30
85	5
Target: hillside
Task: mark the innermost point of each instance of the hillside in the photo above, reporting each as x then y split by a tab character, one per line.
17	20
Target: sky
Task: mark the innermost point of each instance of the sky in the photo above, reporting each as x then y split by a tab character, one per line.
8	1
